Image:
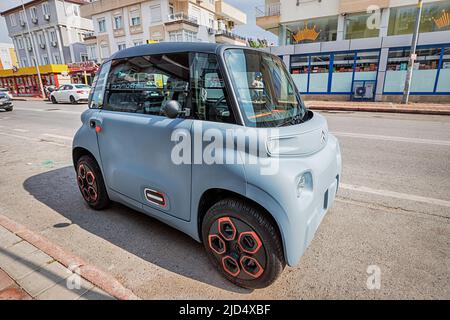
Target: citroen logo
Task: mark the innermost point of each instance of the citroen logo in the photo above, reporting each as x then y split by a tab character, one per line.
323	137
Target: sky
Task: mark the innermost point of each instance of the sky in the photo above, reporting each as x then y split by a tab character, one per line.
251	30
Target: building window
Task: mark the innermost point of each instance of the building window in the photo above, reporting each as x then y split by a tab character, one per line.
41	38
155	14
424	74
92	52
57	58
313	30
24	62
121	46
45	59
101	25
137	42
53	35
84	57
76	10
46	8
182	36
33	12
357	26
443	84
28	42
118	22
135	18
20	43
434	18
12	19
22	17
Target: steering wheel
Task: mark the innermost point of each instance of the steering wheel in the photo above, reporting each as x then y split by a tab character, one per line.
219	101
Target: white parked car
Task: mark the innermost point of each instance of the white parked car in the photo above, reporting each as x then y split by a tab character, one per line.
73	93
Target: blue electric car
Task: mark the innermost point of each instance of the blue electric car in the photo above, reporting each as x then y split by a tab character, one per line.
213	140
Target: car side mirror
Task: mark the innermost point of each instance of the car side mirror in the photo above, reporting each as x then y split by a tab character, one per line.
172	109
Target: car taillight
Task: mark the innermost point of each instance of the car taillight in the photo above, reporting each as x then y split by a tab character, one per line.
80	91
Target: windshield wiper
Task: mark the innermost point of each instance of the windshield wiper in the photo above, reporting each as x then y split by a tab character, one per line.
297	119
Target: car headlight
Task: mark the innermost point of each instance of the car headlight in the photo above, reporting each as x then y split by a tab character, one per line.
304	183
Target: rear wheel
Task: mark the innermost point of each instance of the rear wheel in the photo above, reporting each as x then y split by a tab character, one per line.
91	184
54	100
72	100
9	109
243	244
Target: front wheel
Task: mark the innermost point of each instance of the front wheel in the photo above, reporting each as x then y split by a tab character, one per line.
91	184
54	100
9	109
243	244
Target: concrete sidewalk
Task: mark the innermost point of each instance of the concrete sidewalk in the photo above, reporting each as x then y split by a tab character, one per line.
27	272
412	108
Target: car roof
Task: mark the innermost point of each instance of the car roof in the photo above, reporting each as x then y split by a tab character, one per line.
171	47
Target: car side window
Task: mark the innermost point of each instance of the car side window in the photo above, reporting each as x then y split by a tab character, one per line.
210	101
97	94
145	84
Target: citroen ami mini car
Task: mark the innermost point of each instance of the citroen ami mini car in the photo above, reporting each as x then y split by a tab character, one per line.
169	132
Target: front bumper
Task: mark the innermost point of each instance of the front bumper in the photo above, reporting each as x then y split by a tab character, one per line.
6	104
298	217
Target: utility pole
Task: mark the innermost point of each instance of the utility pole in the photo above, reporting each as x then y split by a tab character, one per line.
413	56
41	87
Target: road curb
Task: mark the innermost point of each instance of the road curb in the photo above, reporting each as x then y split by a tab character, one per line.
379	109
89	272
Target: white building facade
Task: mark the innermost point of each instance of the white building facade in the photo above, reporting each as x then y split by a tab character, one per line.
122	24
348	49
57	32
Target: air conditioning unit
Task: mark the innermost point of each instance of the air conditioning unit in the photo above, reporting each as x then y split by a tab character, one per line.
22	23
42	45
212	31
34	20
54	43
363	90
47	17
30	49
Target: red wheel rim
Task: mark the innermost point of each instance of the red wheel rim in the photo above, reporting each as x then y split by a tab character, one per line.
87	183
237	247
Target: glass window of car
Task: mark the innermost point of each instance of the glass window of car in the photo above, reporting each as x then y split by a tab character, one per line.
210	101
96	98
144	84
265	91
82	86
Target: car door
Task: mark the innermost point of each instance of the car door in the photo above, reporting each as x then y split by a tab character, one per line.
66	93
135	139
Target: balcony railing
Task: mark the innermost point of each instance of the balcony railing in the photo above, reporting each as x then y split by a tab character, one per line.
229	34
181	16
269	10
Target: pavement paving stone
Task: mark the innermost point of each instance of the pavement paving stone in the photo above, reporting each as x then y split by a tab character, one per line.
96	294
44	278
5	280
8	238
14	293
20	268
60	291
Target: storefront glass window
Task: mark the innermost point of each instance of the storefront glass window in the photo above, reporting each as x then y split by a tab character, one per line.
434	18
299	70
443	84
343	67
424	74
318	78
314	30
366	67
357	26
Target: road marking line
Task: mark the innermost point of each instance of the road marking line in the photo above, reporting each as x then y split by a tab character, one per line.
33	139
392	138
21	130
57	136
397	195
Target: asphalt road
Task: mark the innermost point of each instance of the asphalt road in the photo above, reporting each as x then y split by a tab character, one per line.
392	212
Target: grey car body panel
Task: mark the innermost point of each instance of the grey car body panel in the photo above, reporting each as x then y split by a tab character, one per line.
125	156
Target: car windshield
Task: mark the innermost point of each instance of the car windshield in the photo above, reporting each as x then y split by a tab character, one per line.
82	86
265	91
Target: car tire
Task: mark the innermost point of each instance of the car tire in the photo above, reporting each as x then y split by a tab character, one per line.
251	256
9	109
54	101
91	184
72	100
